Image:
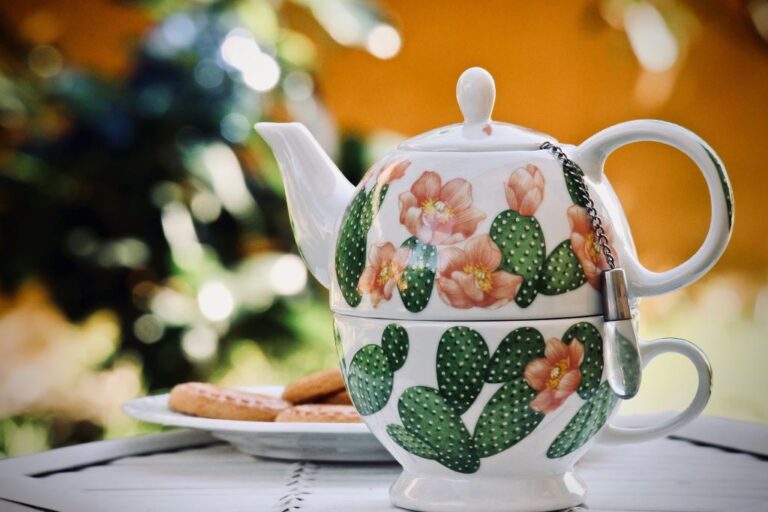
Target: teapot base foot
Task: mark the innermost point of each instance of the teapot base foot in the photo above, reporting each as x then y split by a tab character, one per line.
487	494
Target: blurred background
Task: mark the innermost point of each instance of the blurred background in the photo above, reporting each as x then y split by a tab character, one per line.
144	238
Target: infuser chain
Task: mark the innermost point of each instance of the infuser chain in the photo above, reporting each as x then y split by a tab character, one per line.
577	175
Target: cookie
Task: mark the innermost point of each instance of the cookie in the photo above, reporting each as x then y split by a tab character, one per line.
209	401
312	387
319	413
338	398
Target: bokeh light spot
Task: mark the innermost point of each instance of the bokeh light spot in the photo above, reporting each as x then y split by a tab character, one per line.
288	275
215	301
651	39
383	41
148	328
235	127
261	73
298	85
208	74
205	206
199	344
179	30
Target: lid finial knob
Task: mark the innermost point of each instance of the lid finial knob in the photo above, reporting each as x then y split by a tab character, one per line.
476	93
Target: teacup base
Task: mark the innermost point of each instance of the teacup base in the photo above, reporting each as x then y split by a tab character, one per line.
488	494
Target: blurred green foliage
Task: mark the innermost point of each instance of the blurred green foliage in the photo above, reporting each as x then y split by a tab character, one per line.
147	198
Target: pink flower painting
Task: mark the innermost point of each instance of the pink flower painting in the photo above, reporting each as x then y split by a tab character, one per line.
386	173
381	275
439	214
555	376
585	247
392	171
470	277
525	189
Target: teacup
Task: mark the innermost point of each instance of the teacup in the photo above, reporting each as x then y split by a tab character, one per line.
492	416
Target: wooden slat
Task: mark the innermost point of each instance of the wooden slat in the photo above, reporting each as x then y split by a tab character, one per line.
663	475
94	453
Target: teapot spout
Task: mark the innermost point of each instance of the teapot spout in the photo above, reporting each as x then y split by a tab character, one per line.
316	190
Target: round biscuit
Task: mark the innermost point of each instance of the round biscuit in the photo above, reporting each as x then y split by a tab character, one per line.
314	386
338	398
209	401
319	413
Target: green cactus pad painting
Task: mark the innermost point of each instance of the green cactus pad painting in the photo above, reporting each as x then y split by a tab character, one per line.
507	418
370	379
371	372
432	426
591	367
462	361
350	250
521	242
427	416
561	272
585	424
418	278
373	201
573	188
410	442
394	341
353	237
513	353
339	348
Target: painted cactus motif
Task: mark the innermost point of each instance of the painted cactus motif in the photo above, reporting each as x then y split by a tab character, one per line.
339	348
513	353
418	278
585	424
394	342
462	361
463	366
370	379
599	398
430	421
592	365
428	212
521	242
371	371
355	224
432	427
561	272
573	188
373	200
411	442
351	250
508	416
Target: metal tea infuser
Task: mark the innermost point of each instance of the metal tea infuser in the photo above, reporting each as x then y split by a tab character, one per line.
620	350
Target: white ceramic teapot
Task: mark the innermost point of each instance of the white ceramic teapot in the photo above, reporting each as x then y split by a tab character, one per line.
465	283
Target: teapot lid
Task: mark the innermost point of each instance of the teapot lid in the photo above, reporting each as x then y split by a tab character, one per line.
476	94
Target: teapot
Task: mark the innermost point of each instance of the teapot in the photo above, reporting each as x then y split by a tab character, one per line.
465	280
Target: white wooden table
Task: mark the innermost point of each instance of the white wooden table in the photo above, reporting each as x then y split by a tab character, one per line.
711	465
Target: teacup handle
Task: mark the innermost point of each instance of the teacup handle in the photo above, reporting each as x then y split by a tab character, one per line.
591	156
648	350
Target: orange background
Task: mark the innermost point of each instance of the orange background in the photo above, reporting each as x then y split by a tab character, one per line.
561	69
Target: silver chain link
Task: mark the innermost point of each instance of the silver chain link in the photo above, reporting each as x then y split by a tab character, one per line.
577	176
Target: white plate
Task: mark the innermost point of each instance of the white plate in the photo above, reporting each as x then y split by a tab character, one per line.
292	441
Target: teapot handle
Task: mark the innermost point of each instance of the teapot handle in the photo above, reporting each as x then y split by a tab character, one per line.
591	156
